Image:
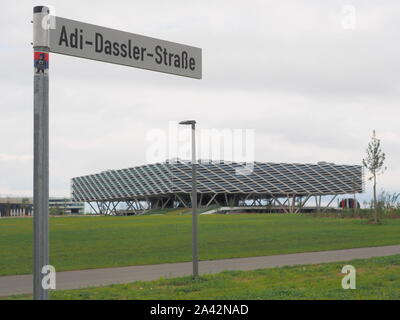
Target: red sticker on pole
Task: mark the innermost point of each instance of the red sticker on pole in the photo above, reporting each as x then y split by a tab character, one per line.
41	62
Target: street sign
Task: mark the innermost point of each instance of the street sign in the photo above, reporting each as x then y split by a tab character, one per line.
93	42
74	38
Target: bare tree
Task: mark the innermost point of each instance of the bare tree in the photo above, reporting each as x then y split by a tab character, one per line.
374	163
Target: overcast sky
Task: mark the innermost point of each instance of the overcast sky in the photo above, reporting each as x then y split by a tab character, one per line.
311	87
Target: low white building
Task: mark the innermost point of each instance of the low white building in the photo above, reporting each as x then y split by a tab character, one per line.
65	206
23	206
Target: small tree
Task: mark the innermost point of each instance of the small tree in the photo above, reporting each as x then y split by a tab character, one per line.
374	163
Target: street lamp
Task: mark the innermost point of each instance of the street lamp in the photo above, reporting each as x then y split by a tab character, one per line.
195	254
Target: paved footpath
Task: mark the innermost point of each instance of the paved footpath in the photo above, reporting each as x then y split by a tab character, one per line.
10	285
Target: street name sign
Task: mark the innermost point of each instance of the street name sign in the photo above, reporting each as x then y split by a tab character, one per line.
93	42
84	40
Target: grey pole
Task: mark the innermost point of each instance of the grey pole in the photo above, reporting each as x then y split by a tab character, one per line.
195	250
194	206
41	149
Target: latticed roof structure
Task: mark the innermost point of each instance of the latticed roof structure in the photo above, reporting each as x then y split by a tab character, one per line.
218	180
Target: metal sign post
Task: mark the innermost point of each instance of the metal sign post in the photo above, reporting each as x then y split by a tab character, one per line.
41	149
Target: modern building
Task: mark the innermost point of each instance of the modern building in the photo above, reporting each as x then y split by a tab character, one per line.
287	187
23	206
65	206
15	206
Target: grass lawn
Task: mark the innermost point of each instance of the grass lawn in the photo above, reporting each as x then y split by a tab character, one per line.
376	278
94	242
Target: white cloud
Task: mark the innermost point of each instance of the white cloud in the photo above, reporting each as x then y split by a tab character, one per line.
4	157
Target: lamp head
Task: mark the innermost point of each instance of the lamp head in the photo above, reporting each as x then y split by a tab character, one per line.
188	122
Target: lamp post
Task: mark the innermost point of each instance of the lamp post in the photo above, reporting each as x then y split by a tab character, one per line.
195	255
